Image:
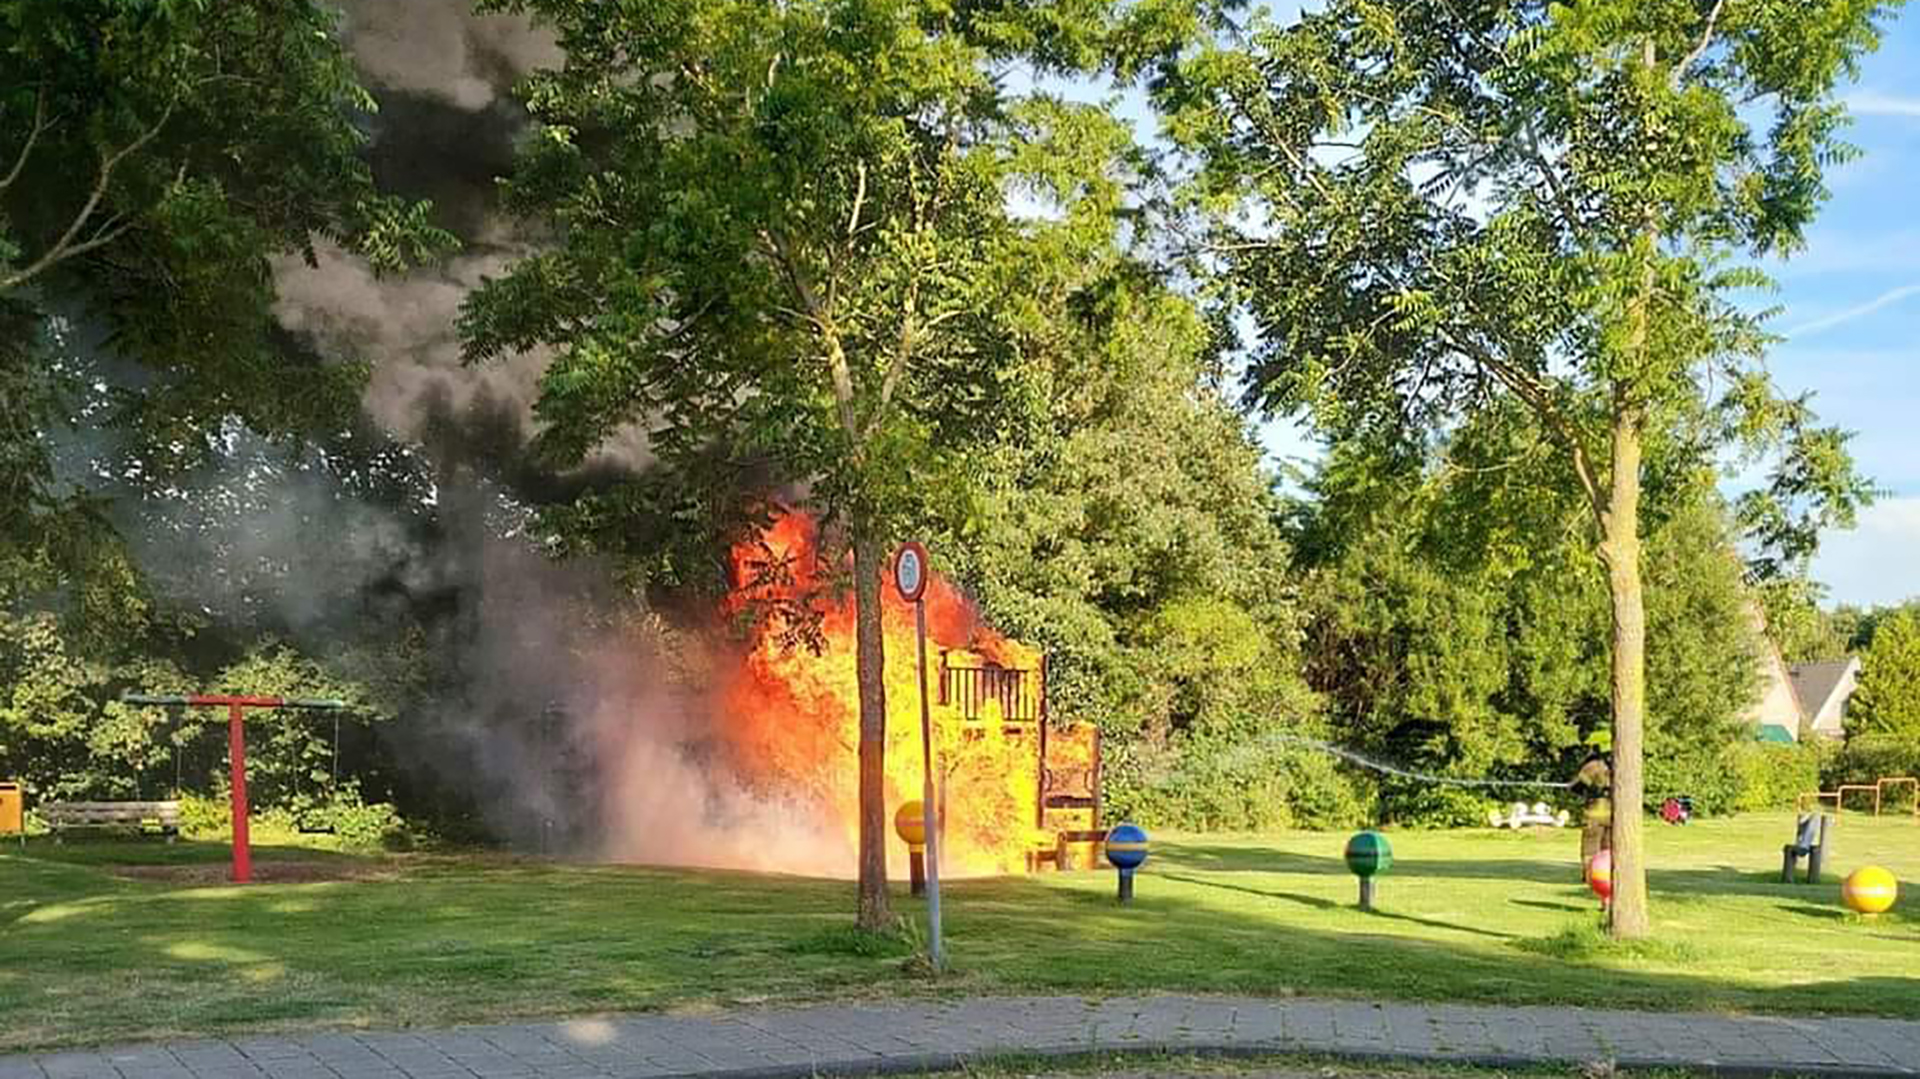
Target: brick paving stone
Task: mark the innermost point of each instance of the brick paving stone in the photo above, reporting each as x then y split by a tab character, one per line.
803	1042
79	1066
308	1069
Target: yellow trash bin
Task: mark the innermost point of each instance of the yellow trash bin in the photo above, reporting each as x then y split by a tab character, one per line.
13	819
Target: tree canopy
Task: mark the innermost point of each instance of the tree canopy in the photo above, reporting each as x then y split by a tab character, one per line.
784	233
1430	210
1888	700
873	257
156	156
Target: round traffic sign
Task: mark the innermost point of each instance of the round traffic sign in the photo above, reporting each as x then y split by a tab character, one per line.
910	571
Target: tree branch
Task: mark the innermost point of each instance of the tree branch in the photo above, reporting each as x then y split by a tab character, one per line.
39	125
859	200
65	248
897	366
1545	168
822	321
1706	40
1539	398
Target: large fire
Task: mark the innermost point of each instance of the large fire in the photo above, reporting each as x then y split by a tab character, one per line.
790	717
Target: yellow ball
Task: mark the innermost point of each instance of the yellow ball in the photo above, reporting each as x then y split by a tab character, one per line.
1870	890
910	824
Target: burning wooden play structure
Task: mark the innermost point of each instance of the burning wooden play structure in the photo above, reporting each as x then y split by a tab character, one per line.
1016	789
1065	773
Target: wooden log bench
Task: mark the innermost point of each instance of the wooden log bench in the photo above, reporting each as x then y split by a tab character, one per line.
63	816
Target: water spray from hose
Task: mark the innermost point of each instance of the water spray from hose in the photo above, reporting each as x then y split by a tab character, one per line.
1406	773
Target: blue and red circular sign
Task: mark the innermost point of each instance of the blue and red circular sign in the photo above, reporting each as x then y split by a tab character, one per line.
910	571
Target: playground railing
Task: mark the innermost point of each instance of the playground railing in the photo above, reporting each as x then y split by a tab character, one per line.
1877	788
1800	803
1894	782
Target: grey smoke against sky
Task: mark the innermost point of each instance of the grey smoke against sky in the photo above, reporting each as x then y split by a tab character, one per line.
442	49
446	131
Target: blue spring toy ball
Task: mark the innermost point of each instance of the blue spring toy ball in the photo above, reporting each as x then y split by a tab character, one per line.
1127	846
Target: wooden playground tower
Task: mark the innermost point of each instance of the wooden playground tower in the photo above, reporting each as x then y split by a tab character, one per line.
1067	824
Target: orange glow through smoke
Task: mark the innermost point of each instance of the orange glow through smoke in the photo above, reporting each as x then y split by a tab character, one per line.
791	716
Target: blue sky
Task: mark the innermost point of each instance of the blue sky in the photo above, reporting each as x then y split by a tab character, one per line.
1851	316
1849	310
1852	302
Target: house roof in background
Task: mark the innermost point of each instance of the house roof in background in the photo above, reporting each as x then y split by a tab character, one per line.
1814	683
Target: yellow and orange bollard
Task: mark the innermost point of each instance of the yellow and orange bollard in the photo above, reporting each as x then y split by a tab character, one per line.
910	824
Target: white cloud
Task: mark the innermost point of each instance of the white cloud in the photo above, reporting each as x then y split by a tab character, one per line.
1875	562
1839	318
1871	103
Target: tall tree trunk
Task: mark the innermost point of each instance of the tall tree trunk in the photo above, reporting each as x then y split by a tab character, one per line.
1620	551
869	664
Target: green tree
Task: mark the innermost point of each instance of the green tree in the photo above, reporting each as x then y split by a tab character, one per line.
1452	623
1888	700
1803	630
785	238
154	156
1117	512
1429	208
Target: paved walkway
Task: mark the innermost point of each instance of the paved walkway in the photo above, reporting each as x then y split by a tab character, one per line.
923	1035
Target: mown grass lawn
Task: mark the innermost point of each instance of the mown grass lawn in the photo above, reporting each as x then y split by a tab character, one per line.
94	951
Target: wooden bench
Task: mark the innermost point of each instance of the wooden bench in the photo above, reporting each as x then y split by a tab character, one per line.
61	816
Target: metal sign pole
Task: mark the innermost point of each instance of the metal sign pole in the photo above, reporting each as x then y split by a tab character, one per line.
910	572
927	801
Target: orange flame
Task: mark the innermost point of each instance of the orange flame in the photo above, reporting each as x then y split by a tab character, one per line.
790	719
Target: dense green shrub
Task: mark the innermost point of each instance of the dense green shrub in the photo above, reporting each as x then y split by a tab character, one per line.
360	824
1869	757
204	816
1426	805
1212	785
1771	776
1702	773
352	822
1745	776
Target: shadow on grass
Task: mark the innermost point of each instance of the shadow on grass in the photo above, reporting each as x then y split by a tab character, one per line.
1807	910
1716	880
481	940
107	851
1231	952
1211	859
1435	923
1314	901
1323	903
1541	904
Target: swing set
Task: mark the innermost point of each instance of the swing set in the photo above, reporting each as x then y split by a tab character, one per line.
236	707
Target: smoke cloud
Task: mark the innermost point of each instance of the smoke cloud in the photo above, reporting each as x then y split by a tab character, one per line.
555	704
446	129
560	709
443	49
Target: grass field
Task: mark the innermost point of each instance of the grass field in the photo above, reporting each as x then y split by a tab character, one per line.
111	941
